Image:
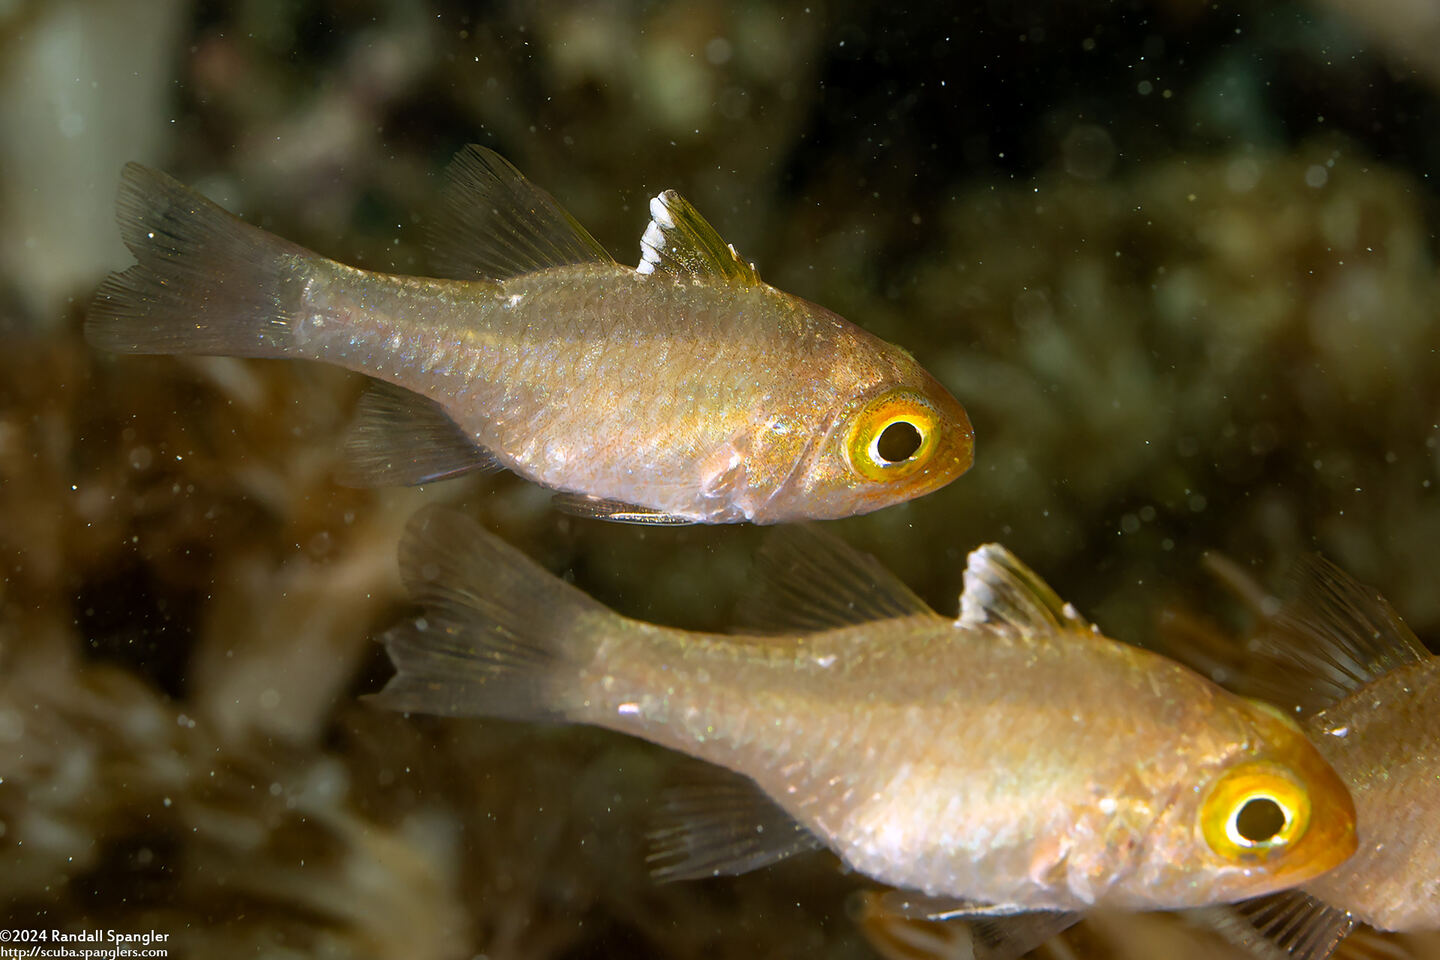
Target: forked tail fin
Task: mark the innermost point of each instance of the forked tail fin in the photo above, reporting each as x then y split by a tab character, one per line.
498	636
206	282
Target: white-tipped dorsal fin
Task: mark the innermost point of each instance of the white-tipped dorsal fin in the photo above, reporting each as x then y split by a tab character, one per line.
492	223
1000	591
679	242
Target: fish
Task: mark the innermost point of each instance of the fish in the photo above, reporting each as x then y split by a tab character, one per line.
683	390
1008	761
1367	694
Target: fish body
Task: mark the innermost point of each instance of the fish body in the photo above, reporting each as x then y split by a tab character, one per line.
1384	742
684	390
1013	758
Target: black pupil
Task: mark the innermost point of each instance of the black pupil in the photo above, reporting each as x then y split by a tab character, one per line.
898	442
1259	820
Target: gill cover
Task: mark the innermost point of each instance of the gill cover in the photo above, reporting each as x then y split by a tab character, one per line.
893	436
1254	811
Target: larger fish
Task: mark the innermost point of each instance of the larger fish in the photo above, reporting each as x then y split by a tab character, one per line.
1368	694
1013	759
684	390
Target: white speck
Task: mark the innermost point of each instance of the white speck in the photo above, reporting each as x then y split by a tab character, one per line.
1341	732
628	709
514	300
651	243
660	212
825	662
1107	805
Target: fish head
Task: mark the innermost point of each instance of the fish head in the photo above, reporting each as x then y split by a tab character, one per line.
899	436
1268	814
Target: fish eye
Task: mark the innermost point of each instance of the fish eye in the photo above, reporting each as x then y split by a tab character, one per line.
897	442
892	436
1253	811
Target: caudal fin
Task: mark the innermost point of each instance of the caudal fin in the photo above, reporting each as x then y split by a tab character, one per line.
499	636
206	282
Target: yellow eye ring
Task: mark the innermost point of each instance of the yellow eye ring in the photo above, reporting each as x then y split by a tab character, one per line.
1255	810
892	436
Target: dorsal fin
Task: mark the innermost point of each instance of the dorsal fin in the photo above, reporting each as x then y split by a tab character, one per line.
492	223
1334	635
806	579
1331	636
1002	591
679	242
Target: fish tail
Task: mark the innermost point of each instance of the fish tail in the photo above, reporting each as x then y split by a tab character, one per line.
498	637
206	282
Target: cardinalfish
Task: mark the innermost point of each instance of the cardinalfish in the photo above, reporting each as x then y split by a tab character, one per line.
683	390
1011	760
1367	692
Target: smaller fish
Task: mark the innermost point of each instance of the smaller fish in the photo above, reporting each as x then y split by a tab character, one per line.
684	390
1007	761
1367	693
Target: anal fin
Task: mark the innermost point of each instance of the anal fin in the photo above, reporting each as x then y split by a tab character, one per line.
722	826
616	511
399	438
1291	925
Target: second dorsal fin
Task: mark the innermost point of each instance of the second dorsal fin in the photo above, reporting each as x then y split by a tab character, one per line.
679	242
807	580
1334	635
1001	591
492	223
